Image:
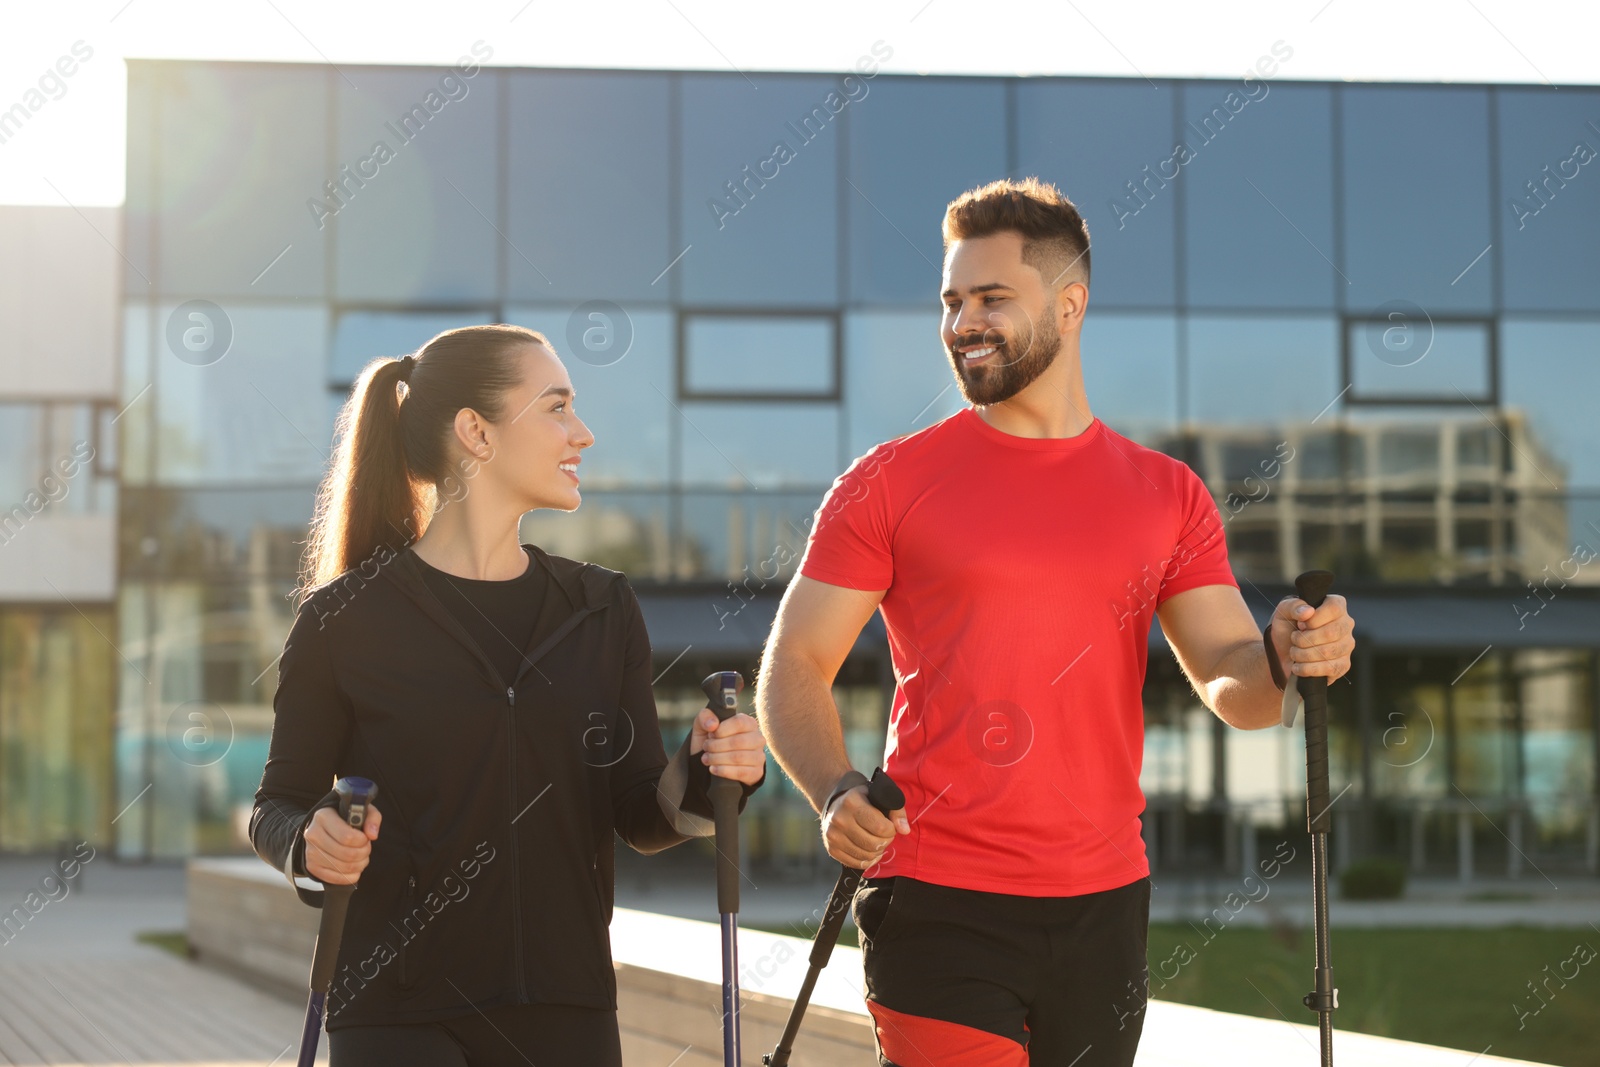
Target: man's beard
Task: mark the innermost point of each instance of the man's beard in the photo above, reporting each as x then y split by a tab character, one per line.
1005	374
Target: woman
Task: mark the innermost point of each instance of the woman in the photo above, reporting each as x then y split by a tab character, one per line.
498	695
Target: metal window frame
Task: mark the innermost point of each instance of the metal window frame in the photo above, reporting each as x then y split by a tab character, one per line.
1352	397
832	316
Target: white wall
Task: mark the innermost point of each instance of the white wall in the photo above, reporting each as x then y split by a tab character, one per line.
59	279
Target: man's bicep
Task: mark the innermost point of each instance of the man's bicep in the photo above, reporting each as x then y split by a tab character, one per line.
1203	625
819	622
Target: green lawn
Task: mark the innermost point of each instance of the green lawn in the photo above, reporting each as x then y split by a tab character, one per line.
1459	988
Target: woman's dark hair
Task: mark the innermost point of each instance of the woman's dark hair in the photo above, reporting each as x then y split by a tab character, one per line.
394	458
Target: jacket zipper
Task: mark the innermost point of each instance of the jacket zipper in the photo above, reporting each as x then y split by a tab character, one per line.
511	788
516	878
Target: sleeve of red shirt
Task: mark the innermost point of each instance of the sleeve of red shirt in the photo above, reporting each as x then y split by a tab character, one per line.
1200	552
851	538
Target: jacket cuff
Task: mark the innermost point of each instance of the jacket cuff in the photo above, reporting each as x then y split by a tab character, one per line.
295	866
683	792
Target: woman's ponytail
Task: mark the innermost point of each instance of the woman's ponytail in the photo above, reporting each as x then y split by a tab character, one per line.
369	500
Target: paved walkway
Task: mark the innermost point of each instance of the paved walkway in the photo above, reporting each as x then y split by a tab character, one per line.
76	987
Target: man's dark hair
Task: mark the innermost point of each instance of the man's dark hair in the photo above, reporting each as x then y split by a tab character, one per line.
1055	241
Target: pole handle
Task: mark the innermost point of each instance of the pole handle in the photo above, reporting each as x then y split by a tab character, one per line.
1312	587
355	797
722	693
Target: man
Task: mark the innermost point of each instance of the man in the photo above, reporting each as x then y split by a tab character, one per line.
1017	550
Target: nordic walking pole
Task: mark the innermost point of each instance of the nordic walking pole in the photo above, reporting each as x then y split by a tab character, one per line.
355	794
722	689
886	797
1312	587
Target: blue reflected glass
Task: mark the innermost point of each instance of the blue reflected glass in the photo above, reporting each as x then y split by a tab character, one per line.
1416	206
623	388
242	150
362	336
588	210
1548	157
759	187
259	414
1130	372
734	355
417	165
1103	144
758	445
1258	209
1547	371
898	377
625	531
1263	370
749	538
905	168
1439	360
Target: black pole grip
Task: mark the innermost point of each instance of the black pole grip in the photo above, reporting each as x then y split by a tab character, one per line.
886	796
722	691
355	797
1312	587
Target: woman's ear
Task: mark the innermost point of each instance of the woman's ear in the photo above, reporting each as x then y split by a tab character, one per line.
472	433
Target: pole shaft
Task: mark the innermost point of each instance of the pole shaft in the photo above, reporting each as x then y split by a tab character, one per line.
730	990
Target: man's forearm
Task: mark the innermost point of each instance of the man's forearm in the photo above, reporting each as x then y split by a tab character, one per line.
795	705
1242	693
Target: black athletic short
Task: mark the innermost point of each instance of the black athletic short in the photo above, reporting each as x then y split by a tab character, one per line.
961	978
549	1035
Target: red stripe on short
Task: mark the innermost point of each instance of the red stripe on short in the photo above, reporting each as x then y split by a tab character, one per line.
917	1041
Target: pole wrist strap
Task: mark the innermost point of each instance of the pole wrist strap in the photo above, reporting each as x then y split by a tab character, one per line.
847	781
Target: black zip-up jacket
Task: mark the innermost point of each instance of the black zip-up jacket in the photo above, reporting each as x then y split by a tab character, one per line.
491	881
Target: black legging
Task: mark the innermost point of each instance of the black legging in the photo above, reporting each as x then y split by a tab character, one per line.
515	1035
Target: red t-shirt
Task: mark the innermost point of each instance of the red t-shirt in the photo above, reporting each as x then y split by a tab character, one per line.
1022	577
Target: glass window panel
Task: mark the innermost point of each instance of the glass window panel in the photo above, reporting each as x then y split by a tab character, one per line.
625	531
1454	361
21	457
1550	197
746	537
773	237
1092	139
139	208
362	336
624	399
1258	213
242	148
588	209
1130	371
216	534
56	698
904	169
137	414
1411	228
759	445
743	354
1263	370
1547	371
421	145
47	464
257	415
898	376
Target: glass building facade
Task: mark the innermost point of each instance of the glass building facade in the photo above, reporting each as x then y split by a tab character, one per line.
1368	315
